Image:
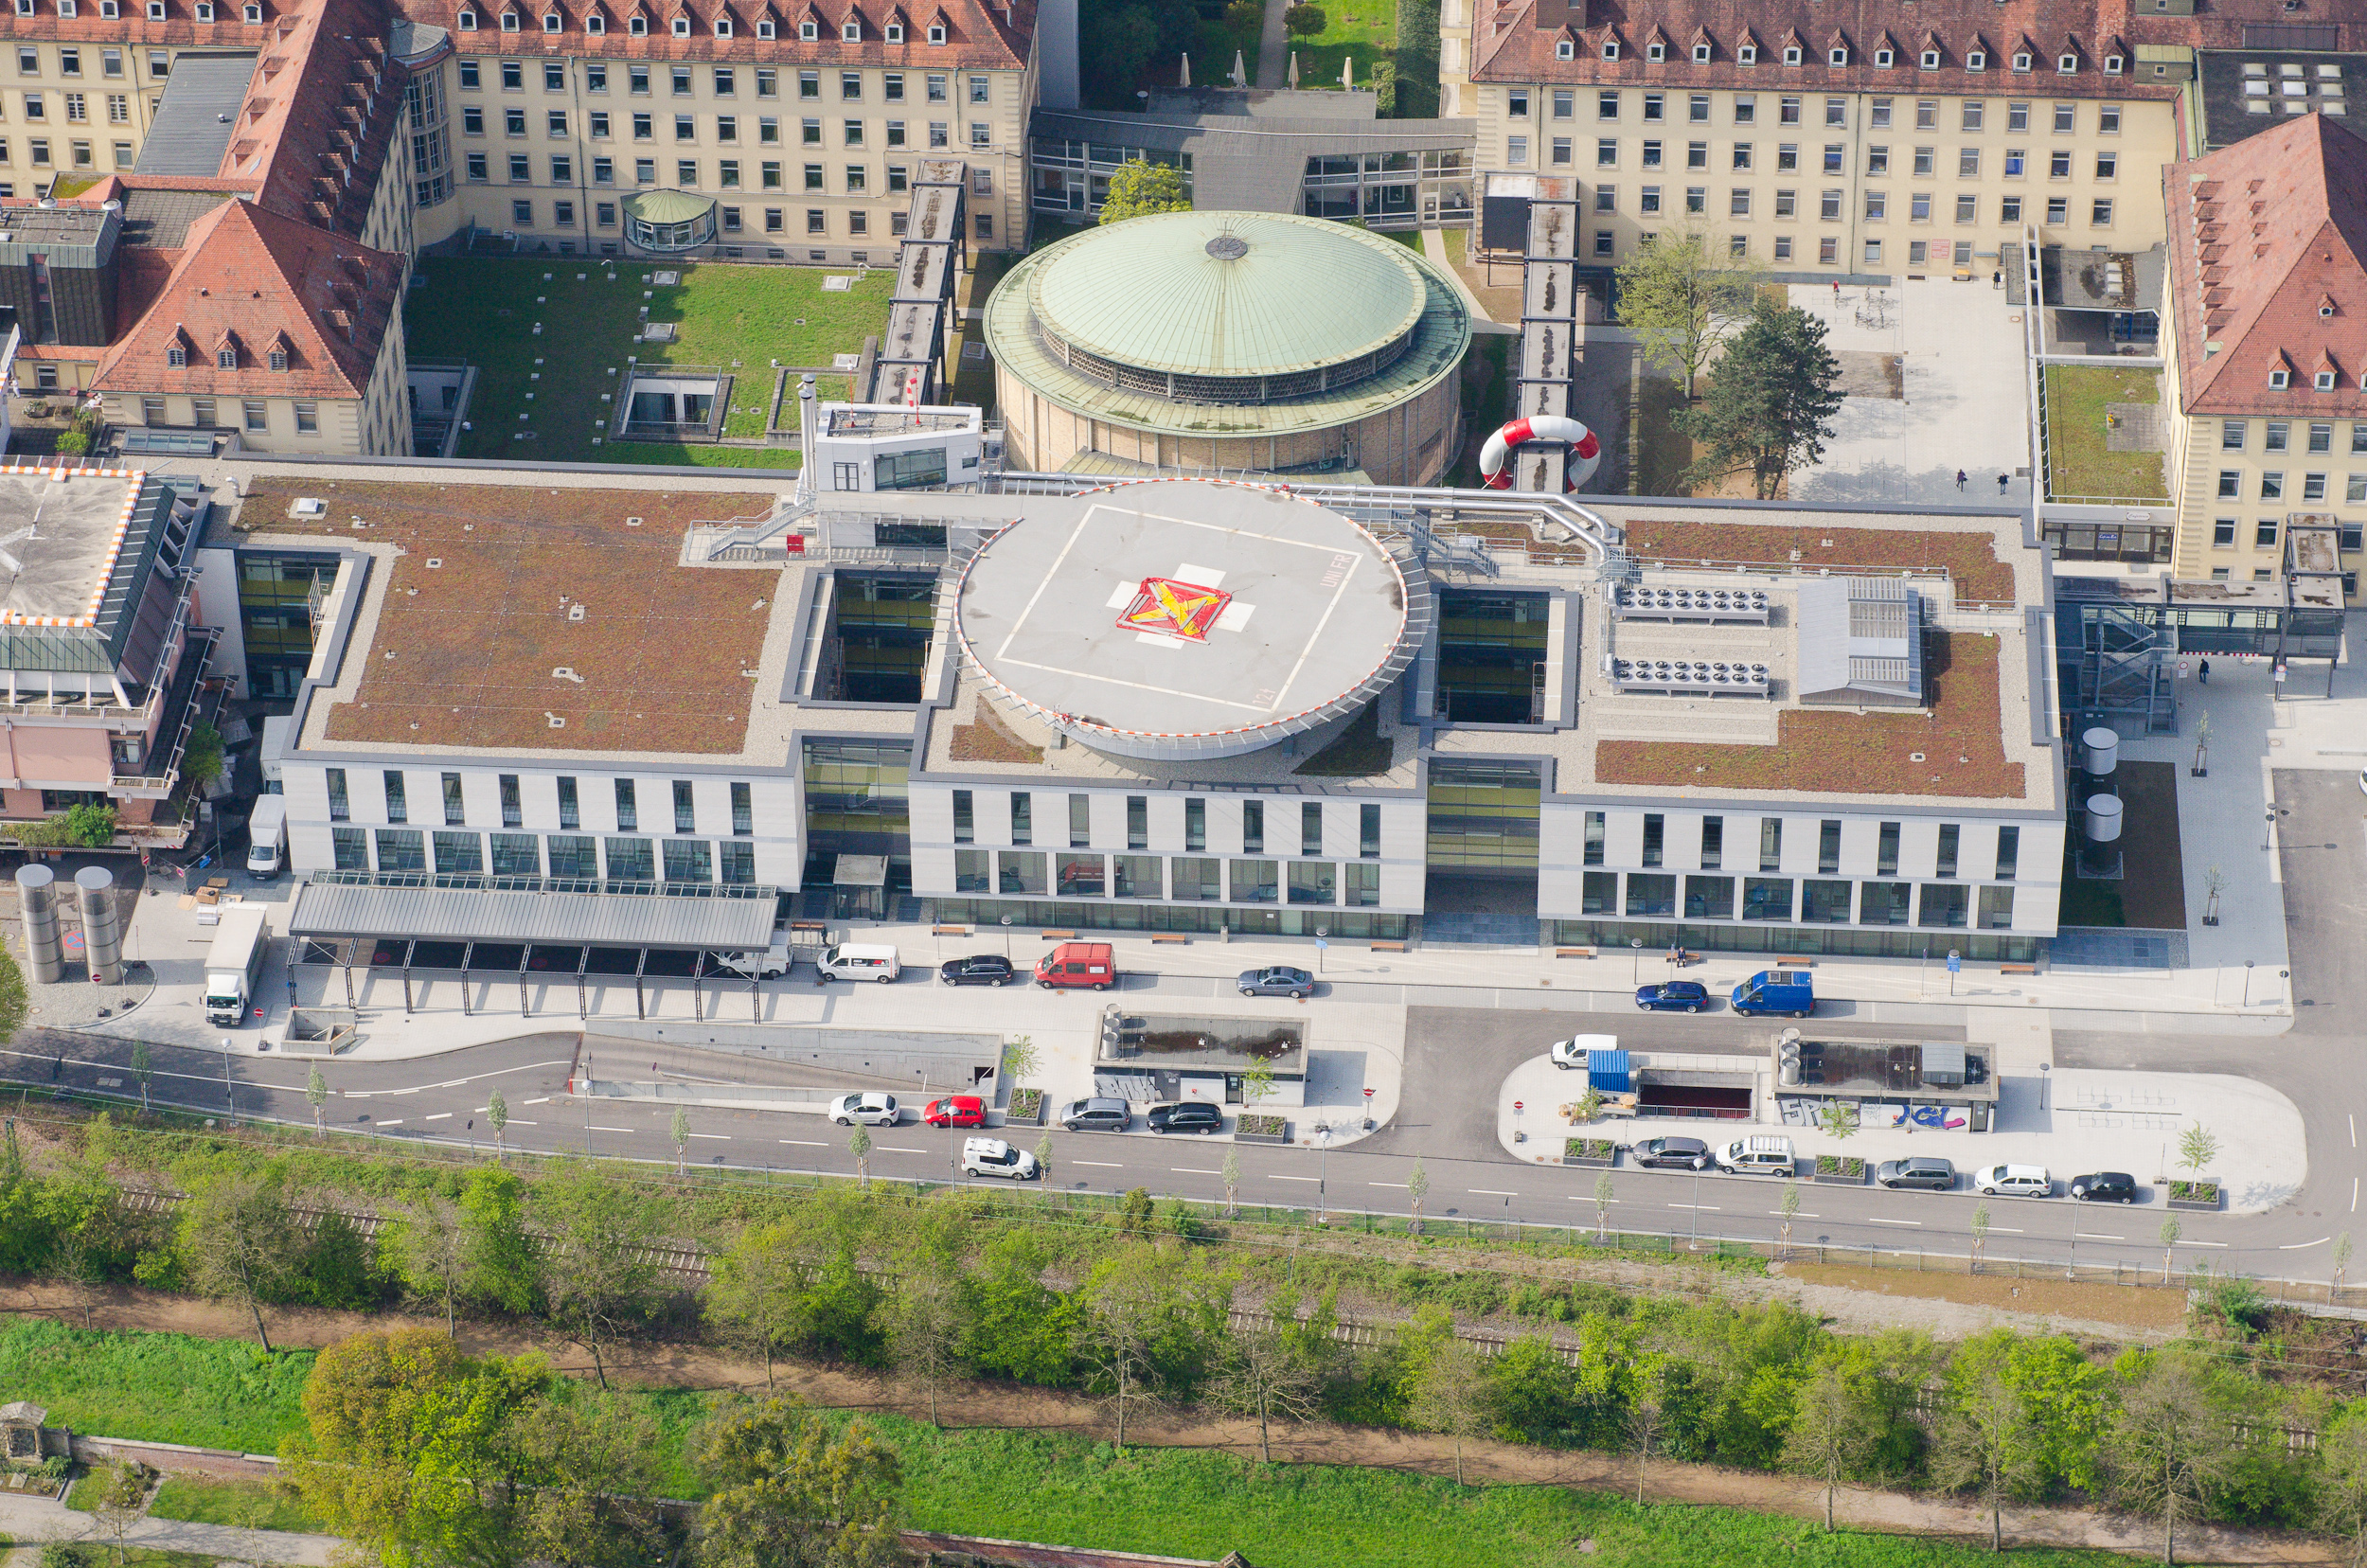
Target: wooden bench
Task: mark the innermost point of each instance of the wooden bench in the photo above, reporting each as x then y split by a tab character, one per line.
1169	936
2016	968
1795	963
1388	947
949	931
1059	936
809	925
1573	953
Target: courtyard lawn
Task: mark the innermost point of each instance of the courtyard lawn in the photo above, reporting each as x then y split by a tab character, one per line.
742	319
2078	460
1362	30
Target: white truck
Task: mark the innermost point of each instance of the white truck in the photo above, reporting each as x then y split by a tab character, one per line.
267	837
234	965
275	752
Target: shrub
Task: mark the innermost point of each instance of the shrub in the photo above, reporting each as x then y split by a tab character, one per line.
1305	20
90	825
73	443
1261	1126
1587	1148
1839	1164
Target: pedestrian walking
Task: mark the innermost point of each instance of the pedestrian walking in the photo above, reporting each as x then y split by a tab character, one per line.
1960	479
2202	672
2000	483
1837	293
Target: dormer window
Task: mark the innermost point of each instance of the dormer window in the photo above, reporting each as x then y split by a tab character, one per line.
808	31
226	358
595	24
2325	381
66	7
2067	65
468	20
279	359
638	27
177	357
1656	52
682	26
23	8
850	32
894	32
764	27
1930	59
722	27
2021	61
253	14
1748	54
509	22
1701	54
937	32
550	22
109	10
1976	59
1885	59
2111	64
1565	49
1791	54
2279	379
1611	49
1837	56
205	11
2325	310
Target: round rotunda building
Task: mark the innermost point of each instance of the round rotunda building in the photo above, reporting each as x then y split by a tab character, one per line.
1193	341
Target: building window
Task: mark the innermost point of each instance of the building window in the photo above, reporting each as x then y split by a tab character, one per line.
2223	533
2008	852
1368	832
1023	817
398	807
1771	844
2264	534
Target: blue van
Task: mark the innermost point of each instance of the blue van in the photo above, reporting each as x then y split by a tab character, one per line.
1775	991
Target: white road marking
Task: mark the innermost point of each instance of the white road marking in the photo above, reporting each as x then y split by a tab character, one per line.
390	1124
1193	1171
1877	1220
1707	1208
890	1149
1296	1178
2297	1246
1490	1192
515	1122
2354	1121
441	1116
1803	1214
1106	1165
545	1100
2005	1230
1398	1185
725	1138
1584	1198
610	1130
2097	1236
2353	1194
805	1143
2201	1244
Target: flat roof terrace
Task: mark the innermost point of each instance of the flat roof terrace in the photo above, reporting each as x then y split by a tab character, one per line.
61	534
517	616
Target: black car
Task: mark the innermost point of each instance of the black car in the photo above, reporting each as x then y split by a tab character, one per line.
1185	1116
1673	996
1924	1170
979	968
2105	1186
1280	980
1672	1153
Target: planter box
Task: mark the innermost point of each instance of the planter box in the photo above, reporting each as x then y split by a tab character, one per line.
2198	1196
1838	1170
1589	1152
1261	1130
1026	1108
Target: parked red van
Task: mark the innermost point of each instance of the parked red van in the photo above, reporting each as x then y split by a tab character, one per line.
1077	964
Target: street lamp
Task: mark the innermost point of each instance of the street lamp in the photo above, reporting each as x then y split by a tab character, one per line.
1637	973
2248	982
2270	815
1323	1171
1006	936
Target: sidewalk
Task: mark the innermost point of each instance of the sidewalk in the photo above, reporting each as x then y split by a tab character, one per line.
35	1521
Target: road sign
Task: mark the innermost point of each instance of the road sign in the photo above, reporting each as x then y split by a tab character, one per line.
1518	1104
1955	964
1368	1094
1321	945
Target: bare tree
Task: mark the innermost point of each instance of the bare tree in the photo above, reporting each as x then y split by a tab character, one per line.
1979	1234
243	1241
1231	1173
1418	1187
603	1277
2169	1445
1646	1415
1126	1307
1831	1433
1606	1194
1988	1442
122	1496
83	1265
682	1141
1451	1396
927	1321
1266	1379
2342	1257
143	1068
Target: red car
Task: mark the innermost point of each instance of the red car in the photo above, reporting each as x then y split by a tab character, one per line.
956	1110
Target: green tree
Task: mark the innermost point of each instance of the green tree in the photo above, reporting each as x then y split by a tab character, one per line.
790	1492
1018	1328
1770	403
496	1117
240	1242
1115	42
1837	1120
1304	20
1127	1303
1832	1432
316	1091
118	1495
603	1283
1451	1395
1136	1212
588	1496
2170	1446
755	1288
1020	1058
2342	1485
1987	1442
682	1141
859	1145
91	824
1682	294
1533	1393
2196	1148
201	758
502	1268
928	1321
1268	1378
1646	1415
429	1249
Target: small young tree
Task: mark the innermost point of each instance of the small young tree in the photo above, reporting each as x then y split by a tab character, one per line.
143	1068
496	1117
1231	1171
316	1091
859	1145
1044	1157
2196	1148
1980	1231
1417	1188
1832	1432
1790	1211
682	1141
2171	1231
1138	188
1256	1084
1646	1414
1769	408
2342	1257
1606	1194
1305	20
1020	1058
1683	294
1451	1396
82	1263
121	1497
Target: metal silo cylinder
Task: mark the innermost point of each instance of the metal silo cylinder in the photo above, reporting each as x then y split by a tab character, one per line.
102	937
36	894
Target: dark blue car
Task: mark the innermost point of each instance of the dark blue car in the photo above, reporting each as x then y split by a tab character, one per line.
1674	996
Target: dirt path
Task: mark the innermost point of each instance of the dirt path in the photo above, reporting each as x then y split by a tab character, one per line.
992	1405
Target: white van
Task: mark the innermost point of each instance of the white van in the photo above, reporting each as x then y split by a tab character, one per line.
758	963
267	837
857	961
1760	1154
2014	1181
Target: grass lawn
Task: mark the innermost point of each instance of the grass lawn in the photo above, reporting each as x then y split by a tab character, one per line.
2077	462
169	1388
247	1504
1362	31
484	309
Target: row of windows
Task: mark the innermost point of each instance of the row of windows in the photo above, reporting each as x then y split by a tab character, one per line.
77	107
79	154
685	128
1920	253
111	60
254	415
1881	112
2268	574
595	24
626	795
730	220
1744	156
1805	901
856	178
1021	806
1652	200
1710	852
568	857
2264	534
1837	54
1187	878
2314	488
2276	436
936	86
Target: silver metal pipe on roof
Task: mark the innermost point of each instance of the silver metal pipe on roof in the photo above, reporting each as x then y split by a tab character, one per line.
36	896
102	933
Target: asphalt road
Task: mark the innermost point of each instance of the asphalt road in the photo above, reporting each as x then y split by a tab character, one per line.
1457	1057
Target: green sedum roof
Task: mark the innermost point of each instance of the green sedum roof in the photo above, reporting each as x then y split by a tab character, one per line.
1227	293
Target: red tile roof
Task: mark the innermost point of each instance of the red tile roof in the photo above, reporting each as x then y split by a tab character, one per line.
2266	238
1513	41
980	34
248	277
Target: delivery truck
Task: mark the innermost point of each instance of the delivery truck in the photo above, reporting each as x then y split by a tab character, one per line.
234	966
267	837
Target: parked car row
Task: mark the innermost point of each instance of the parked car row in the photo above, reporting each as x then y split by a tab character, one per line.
1771	1154
1101	1113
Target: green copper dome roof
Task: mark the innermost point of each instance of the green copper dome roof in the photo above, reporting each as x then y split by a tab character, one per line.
1227	293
